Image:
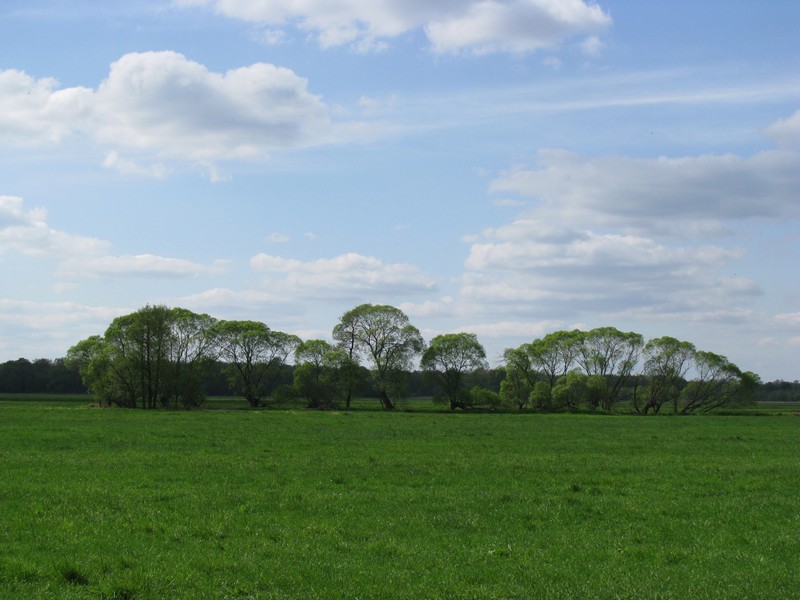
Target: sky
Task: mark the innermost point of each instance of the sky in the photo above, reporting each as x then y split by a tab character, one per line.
502	167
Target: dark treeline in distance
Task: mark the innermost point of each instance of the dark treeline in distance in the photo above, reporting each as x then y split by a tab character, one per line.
161	357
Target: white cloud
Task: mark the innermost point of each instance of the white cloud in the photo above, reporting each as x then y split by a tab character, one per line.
789	319
615	236
660	195
46	329
140	265
513	329
513	26
592	46
476	26
34	110
26	231
277	237
786	132
131	167
163	105
347	275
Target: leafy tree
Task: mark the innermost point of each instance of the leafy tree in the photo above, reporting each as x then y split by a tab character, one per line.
345	335
541	396
254	355
609	355
554	354
520	378
192	354
570	390
384	335
480	397
449	358
717	382
92	358
542	361
322	373
667	361
147	358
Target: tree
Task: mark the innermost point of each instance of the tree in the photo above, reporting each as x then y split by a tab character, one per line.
346	339
191	354
570	390
520	378
609	355
717	382
323	374
533	369
254	355
384	335
91	358
449	358
147	359
666	362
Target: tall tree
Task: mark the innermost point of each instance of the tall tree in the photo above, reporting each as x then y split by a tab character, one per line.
147	359
254	355
344	333
667	361
192	354
449	358
518	385
312	379
717	382
385	336
608	357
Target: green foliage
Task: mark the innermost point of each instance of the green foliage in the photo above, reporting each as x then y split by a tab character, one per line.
571	390
153	358
541	396
254	355
450	358
383	335
480	397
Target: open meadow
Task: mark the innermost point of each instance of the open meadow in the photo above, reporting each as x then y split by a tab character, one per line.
111	503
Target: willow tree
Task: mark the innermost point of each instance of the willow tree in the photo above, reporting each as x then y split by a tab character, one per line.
254	356
667	361
608	357
384	336
152	358
449	359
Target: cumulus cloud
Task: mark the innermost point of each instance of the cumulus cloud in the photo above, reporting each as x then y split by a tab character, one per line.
26	232
663	194
35	110
347	275
161	104
616	235
452	26
165	102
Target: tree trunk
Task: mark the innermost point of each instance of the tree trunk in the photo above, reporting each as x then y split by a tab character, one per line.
386	402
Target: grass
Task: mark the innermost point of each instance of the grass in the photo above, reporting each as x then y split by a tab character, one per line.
297	504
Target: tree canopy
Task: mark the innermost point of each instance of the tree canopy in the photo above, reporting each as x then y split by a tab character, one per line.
160	357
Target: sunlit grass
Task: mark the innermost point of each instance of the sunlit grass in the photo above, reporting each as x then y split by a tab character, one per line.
298	504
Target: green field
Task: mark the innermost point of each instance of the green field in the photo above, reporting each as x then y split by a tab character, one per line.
298	504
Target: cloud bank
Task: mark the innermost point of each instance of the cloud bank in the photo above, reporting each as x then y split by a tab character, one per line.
451	26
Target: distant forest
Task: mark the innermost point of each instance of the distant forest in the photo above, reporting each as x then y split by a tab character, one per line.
44	376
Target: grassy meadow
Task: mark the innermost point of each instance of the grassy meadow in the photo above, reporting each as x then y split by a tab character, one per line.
109	503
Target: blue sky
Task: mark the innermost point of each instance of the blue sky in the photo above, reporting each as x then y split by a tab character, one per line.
506	167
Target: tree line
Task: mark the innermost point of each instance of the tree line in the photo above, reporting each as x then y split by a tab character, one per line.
160	357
